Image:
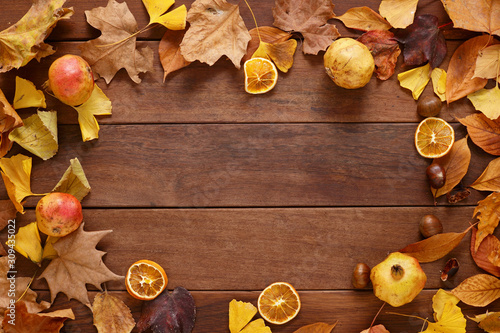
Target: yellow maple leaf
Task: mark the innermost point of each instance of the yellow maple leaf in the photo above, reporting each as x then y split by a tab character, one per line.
28	242
487	62
415	79
240	313
438	77
399	13
38	135
97	104
173	20
23	41
486	101
74	181
16	174
9	119
27	95
280	53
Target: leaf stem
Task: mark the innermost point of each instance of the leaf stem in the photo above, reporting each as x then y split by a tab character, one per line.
375	318
254	20
444	25
146	28
28	286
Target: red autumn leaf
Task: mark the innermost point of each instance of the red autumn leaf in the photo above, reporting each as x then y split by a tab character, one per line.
483	131
490	243
423	41
385	51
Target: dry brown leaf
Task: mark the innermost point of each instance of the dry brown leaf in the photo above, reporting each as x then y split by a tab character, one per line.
488	213
9	119
459	81
170	53
78	263
23	41
478	290
487	63
216	29
376	329
280	53
455	164
399	13
7	212
385	51
26	322
490	178
317	328
489	243
435	247
484	132
116	23
267	34
111	315
475	15
364	18
310	18
489	321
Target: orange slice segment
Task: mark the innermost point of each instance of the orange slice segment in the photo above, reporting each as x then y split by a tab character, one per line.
279	303
434	137
145	280
261	75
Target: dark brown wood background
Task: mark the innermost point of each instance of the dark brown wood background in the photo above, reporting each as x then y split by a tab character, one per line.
230	192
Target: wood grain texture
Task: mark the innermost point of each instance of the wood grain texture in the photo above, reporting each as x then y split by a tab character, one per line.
252	165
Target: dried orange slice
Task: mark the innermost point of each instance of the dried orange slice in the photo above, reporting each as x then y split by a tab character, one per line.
260	75
145	280
279	303
434	137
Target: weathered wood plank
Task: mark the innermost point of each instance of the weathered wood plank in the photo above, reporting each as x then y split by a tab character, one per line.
247	249
354	311
251	165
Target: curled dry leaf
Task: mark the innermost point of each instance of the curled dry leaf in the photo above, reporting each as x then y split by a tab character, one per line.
483	131
111	315
363	18
170	53
384	49
16	174
216	29
478	290
310	18
27	96
7	212
459	81
415	79
74	181
319	328
488	213
457	195
399	13
455	164
488	245
490	178
9	119
474	15
488	62
486	101
434	247
489	321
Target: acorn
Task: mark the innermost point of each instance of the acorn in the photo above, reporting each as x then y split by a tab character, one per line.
429	106
436	175
361	276
430	225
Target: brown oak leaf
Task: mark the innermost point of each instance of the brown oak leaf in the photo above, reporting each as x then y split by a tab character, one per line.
170	53
26	322
216	29
9	119
104	54
478	290
475	15
489	243
267	34
310	18
488	213
78	263
483	131
23	41
385	50
490	178
111	315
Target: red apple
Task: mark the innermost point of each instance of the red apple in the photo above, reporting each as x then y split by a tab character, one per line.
58	214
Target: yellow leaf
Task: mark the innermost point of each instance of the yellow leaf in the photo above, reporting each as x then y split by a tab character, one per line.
415	79
16	176
173	20
27	95
240	313
488	213
487	62
487	101
256	326
38	135
439	301
23	41
74	181
280	53
438	77
489	321
478	290
364	18
399	13
28	242
452	321
9	120
97	104
48	250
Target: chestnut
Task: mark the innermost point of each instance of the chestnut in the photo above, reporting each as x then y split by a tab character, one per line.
436	175
361	276
429	106
430	225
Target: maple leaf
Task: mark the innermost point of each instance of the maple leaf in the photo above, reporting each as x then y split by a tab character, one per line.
216	29
111	315
9	120
27	96
490	178
484	132
399	13
310	18
28	242
478	290
280	53
78	263
423	41
97	105
319	328
486	101
74	181
174	312
170	53
489	321
488	245
438	77
7	212
488	63
115	48
415	79
26	322
385	51
23	41
488	213
38	135
474	15
363	18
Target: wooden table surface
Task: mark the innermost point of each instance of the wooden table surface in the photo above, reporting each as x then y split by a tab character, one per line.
230	192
